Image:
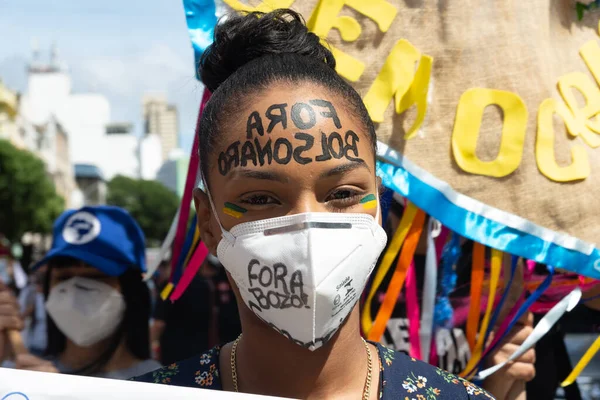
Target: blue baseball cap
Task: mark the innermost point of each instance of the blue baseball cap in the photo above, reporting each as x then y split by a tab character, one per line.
104	237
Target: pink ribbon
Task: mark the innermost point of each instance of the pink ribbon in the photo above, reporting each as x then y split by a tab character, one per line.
190	271
413	312
187	194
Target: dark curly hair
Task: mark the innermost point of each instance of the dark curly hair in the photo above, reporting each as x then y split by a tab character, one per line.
252	51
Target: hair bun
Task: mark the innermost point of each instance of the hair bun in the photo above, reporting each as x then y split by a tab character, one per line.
240	39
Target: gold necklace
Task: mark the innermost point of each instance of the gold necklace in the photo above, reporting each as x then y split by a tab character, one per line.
366	390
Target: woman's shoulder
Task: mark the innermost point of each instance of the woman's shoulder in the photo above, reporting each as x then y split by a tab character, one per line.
404	376
198	371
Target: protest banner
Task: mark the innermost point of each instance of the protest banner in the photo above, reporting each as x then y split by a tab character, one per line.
28	385
491	106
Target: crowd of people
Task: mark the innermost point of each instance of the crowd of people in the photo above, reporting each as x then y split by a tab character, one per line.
294	230
87	311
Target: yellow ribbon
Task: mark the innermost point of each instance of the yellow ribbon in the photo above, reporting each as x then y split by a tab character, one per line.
494	278
386	262
166	291
585	360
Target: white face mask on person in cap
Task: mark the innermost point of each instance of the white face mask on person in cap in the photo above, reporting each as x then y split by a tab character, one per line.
85	310
302	274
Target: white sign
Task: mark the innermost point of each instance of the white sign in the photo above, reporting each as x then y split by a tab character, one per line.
28	385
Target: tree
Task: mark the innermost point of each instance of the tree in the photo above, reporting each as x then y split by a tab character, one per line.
28	199
151	203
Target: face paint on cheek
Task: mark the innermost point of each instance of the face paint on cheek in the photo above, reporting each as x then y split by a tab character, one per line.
369	202
233	210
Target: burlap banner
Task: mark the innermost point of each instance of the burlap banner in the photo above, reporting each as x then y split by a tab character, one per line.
495	101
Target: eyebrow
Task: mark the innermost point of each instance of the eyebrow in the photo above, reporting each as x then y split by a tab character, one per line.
347	167
262	175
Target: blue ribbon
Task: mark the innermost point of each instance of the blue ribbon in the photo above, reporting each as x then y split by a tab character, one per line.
201	19
443	311
513	269
537	293
481	229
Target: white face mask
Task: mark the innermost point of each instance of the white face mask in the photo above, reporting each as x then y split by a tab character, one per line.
85	310
303	274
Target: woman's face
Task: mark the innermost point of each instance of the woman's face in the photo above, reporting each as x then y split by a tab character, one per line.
296	149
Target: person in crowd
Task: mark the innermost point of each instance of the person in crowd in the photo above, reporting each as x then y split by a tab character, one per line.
450	343
229	327
97	304
291	209
198	320
33	311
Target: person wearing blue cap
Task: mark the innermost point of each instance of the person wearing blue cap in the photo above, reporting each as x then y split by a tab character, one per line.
96	300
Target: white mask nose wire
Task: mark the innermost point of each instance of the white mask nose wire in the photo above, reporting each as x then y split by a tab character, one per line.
224	232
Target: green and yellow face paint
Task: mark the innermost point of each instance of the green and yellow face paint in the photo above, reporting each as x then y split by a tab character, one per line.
233	210
369	202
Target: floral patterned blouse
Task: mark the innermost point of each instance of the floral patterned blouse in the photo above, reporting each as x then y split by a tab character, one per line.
401	377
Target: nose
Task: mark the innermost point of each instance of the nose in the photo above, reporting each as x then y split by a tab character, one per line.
306	202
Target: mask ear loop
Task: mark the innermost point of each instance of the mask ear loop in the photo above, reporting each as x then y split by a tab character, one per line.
226	234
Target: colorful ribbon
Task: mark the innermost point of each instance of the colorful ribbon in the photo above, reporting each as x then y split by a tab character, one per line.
412	312
477	275
395	286
450	255
514	317
495	276
542	328
513	269
178	270
585	360
434	229
190	183
386	262
191	271
201	18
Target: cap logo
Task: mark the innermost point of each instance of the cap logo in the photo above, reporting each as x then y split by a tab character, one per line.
81	228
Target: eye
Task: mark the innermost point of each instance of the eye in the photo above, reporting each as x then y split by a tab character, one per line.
259	200
342	194
343	198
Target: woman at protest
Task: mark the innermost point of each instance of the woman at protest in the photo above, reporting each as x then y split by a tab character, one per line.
98	306
450	343
291	209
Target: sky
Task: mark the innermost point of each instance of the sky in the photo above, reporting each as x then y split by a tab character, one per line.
118	48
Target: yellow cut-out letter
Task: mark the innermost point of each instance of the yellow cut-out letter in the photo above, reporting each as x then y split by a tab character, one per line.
265	6
544	147
395	78
590	52
582	125
417	94
326	17
468	123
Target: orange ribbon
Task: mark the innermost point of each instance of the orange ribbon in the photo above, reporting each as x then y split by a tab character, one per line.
477	275
395	286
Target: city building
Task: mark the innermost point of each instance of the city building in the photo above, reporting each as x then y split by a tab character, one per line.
91	186
47	139
173	172
53	147
9	103
94	140
122	158
150	154
161	118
